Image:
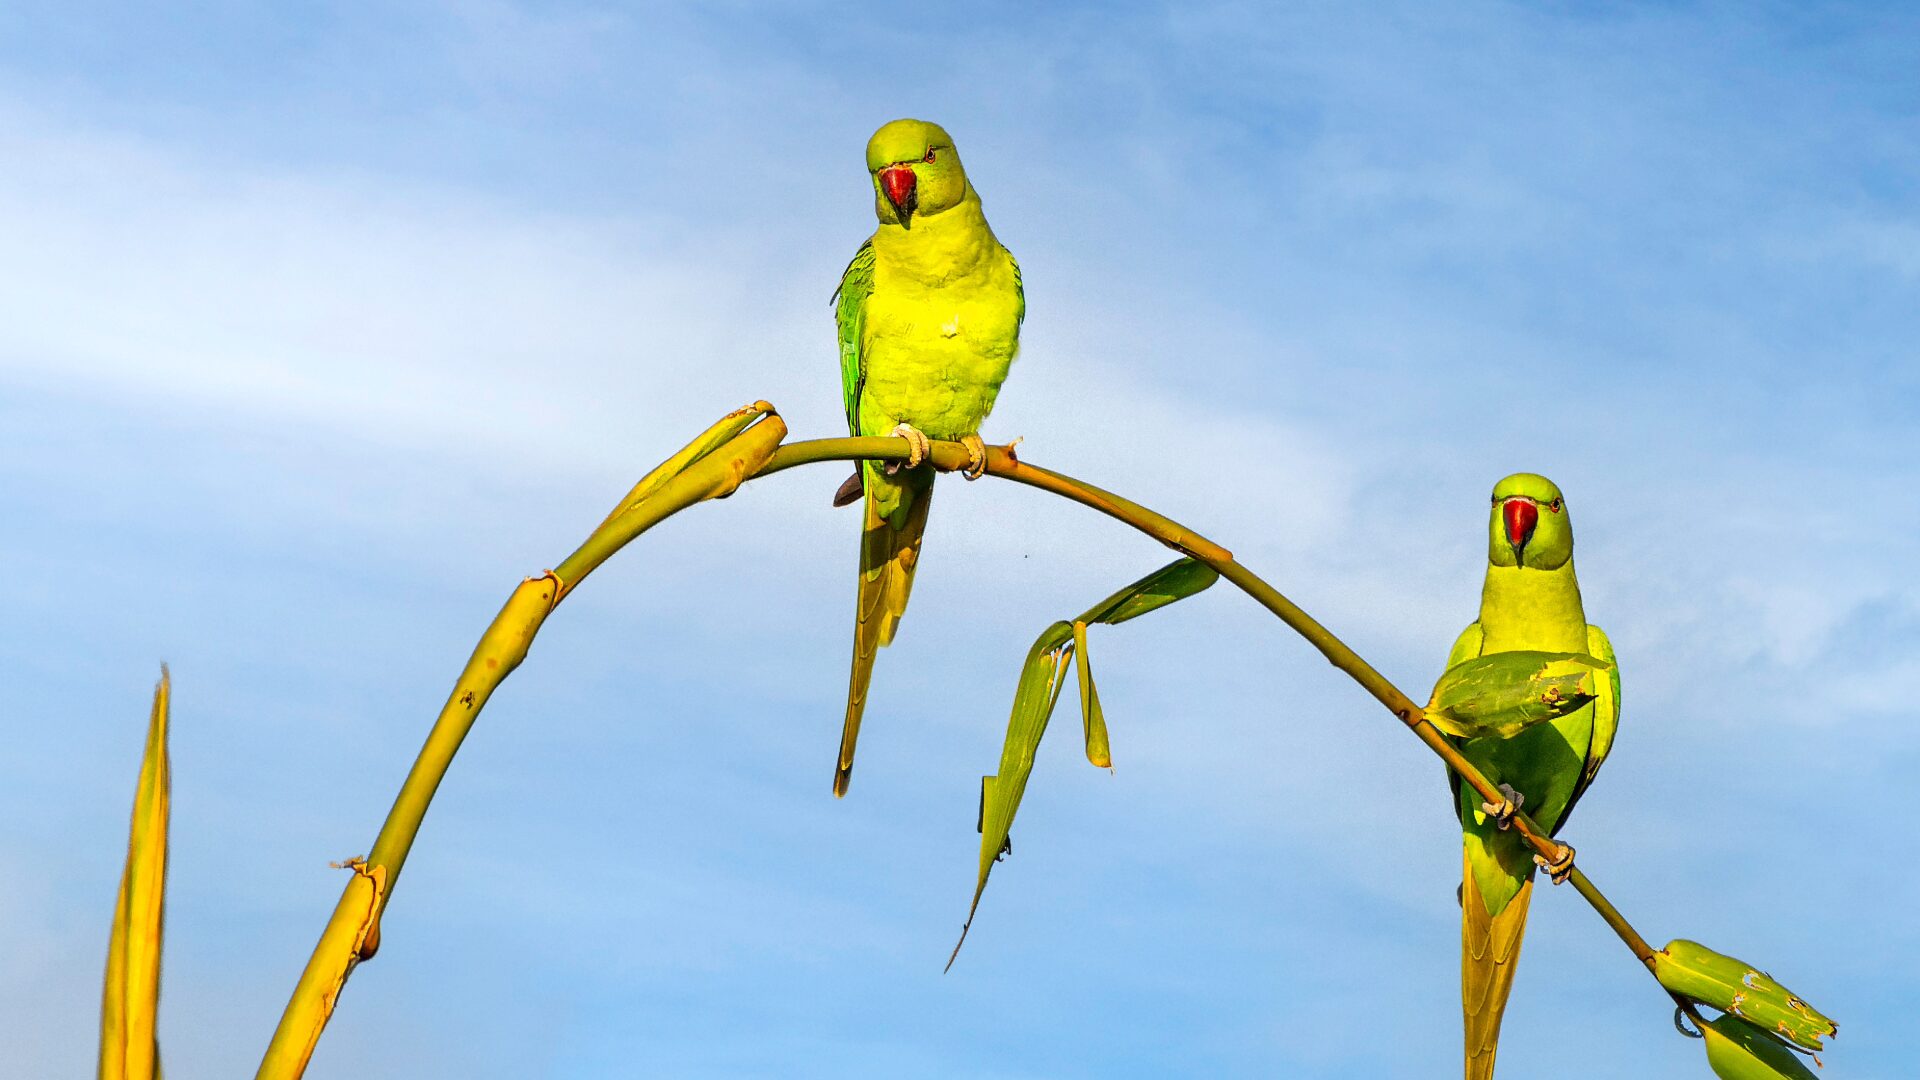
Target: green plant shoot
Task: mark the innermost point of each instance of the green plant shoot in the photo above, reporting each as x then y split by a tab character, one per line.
1699	974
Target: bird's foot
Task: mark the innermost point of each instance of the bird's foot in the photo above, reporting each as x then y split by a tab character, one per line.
976	456
1502	812
1560	867
919	447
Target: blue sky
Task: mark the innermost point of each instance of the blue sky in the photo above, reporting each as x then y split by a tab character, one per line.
320	326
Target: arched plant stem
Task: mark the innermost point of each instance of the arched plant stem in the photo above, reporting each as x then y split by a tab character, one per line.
745	445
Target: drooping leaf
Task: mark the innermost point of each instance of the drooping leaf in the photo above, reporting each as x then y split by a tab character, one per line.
1503	694
1034	698
1033	701
1093	721
1739	1050
1042	678
129	1045
1175	581
1696	972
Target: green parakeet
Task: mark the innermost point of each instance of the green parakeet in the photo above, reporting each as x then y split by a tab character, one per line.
1531	601
929	314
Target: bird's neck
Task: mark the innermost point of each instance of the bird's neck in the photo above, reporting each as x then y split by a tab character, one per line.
953	243
1524	608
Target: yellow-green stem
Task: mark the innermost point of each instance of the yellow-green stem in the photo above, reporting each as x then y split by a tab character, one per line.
745	445
711	467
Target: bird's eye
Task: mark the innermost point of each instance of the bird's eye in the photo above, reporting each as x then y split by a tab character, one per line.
1554	506
929	158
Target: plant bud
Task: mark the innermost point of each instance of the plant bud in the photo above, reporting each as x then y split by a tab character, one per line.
1696	972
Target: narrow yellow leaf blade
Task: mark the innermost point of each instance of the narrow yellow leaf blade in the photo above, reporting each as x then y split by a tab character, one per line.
129	1045
1093	721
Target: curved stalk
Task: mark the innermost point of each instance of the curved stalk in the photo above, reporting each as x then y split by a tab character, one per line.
743	446
710	467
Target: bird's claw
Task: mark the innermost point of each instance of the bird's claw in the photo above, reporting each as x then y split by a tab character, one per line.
1502	812
919	447
976	456
1560	867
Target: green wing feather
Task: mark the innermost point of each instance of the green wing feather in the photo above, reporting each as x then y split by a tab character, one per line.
1465	647
850	315
1019	289
1606	718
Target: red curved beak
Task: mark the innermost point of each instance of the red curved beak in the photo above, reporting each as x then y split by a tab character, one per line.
897	184
1521	516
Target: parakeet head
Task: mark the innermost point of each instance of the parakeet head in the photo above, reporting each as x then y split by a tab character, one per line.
916	172
1530	526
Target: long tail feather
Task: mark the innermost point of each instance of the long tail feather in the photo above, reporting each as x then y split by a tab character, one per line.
1489	955
888	553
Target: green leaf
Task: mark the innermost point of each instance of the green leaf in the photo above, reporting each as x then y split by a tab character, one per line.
1033	701
1092	721
1738	1050
1175	581
1732	986
1042	677
1503	694
129	1047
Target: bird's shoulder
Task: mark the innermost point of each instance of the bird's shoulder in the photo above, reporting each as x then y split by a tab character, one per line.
856	281
1019	285
1599	646
1468	645
849	315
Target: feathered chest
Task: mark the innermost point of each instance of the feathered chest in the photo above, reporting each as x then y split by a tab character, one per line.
977	312
937	348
